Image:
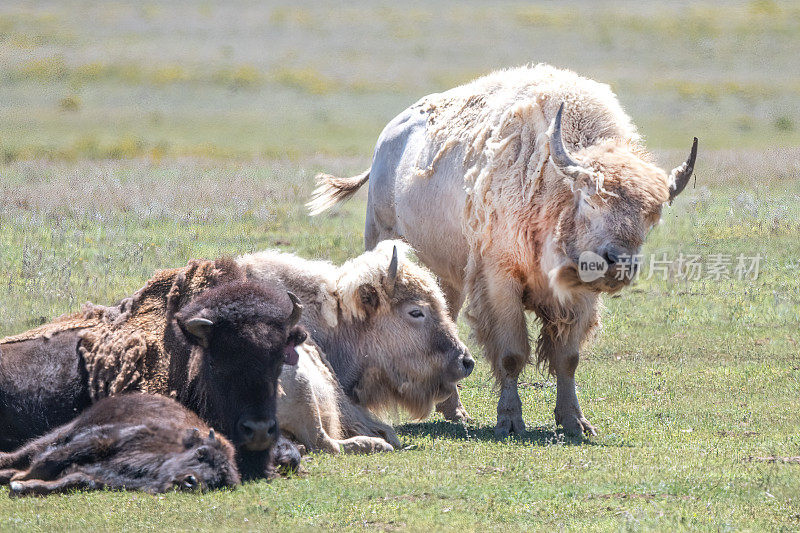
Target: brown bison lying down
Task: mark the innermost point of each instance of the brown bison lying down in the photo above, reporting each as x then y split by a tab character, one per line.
132	441
201	334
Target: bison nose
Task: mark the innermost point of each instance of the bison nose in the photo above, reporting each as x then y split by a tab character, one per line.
258	434
614	254
468	363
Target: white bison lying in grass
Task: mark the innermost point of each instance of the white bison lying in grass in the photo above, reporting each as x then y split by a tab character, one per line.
382	338
500	194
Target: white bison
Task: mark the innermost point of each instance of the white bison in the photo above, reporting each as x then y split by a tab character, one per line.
315	412
499	193
382	339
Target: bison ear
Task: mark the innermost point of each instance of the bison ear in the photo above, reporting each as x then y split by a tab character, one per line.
200	328
192	438
369	298
202	453
298	336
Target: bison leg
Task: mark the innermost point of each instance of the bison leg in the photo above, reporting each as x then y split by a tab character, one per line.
17	460
7	474
563	354
37	487
497	316
364	444
389	436
452	408
568	411
454	296
358	444
509	409
21	458
375	230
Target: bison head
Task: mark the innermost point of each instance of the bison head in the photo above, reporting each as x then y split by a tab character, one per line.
206	464
241	333
609	196
412	355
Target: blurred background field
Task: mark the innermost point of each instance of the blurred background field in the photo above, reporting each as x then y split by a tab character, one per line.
120	79
136	136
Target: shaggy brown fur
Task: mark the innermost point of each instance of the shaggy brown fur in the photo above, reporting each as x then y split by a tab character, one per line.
125	350
132	441
201	334
123	345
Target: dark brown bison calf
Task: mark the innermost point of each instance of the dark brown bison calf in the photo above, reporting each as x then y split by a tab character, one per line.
132	441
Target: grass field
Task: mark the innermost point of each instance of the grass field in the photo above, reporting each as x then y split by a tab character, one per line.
137	136
243	78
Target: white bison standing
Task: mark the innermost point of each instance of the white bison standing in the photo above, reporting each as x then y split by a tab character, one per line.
499	194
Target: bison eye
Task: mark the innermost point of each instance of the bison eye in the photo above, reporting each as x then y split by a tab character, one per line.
189	482
416	313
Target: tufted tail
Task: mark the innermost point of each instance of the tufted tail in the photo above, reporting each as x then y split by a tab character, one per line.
332	190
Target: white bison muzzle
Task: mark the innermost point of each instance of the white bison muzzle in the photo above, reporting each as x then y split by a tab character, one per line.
500	185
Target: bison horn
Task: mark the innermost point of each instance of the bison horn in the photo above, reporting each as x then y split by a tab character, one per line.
561	157
199	327
679	176
211	435
391	278
297	308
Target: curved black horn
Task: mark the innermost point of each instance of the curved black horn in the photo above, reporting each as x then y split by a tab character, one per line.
297	308
679	176
561	157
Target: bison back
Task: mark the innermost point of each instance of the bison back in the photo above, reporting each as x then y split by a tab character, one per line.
42	384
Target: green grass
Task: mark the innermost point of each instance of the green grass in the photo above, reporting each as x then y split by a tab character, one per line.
686	382
136	136
117	79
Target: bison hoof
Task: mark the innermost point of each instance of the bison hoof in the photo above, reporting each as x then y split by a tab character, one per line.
457	415
287	457
453	411
384	447
507	425
575	425
363	444
390	439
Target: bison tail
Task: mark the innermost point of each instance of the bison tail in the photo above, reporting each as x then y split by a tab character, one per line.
332	190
